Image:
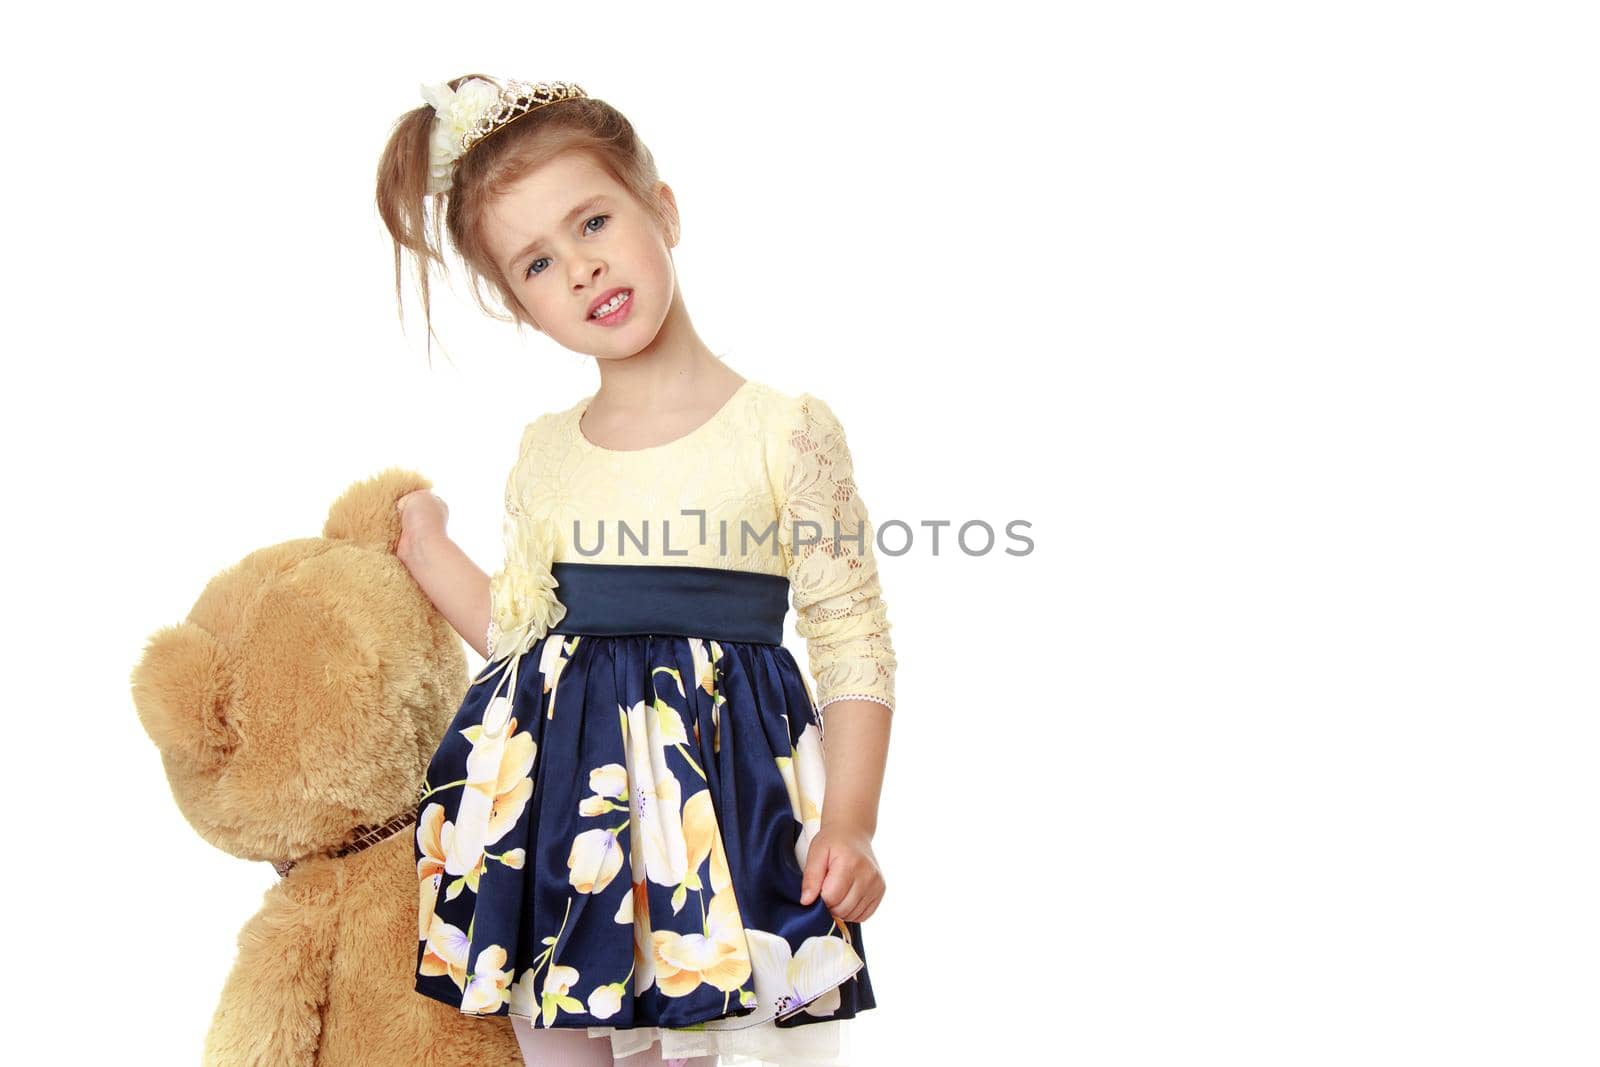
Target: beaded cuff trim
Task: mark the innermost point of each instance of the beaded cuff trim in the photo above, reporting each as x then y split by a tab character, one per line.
855	696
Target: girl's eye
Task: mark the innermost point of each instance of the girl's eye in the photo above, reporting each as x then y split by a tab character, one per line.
596	218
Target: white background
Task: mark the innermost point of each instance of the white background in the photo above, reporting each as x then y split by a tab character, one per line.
1276	321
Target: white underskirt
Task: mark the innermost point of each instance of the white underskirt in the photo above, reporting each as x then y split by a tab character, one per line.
819	1044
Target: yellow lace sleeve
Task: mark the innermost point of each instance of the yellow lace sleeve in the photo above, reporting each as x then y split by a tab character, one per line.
522	602
827	541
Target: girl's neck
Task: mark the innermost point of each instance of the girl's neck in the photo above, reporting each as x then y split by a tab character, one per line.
676	373
670	403
650	382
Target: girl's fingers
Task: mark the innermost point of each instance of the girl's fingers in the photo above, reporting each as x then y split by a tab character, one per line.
836	883
868	904
811	880
852	900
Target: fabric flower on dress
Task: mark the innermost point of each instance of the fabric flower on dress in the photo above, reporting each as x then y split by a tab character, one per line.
522	596
655	799
606	1000
594	860
808	979
558	983
719	957
445	952
434	835
635	910
490	985
805	777
499	784
455	112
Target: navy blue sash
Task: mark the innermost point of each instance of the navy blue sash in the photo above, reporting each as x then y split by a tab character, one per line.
613	599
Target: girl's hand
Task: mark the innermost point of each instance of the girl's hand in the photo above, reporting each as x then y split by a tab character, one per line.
840	863
422	515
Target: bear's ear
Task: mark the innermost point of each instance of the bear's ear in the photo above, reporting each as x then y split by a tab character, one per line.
180	689
366	512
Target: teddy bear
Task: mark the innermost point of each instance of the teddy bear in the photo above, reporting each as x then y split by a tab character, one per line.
296	710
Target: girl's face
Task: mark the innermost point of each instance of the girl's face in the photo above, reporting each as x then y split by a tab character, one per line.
567	236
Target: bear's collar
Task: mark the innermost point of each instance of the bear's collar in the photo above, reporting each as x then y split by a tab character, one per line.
361	837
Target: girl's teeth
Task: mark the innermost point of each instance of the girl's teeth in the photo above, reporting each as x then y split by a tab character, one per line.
612	305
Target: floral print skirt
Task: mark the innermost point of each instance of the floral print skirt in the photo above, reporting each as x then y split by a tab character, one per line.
612	835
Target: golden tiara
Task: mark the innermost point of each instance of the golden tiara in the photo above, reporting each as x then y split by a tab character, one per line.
477	108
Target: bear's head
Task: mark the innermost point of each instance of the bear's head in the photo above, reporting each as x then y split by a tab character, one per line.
308	688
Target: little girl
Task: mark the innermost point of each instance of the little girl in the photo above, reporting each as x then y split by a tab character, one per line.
622	835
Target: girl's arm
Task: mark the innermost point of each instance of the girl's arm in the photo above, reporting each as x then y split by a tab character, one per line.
855	749
827	542
841	612
458	587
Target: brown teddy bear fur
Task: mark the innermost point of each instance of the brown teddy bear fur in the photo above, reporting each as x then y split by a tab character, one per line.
302	698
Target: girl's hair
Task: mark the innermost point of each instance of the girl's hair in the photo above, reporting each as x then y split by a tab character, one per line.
486	172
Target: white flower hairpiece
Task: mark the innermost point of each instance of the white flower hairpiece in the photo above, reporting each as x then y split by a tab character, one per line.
465	116
456	113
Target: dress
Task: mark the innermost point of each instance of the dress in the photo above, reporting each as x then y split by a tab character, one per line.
613	831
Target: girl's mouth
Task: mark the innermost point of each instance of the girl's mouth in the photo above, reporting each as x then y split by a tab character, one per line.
616	311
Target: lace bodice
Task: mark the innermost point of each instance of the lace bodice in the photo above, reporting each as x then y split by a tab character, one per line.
760	486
